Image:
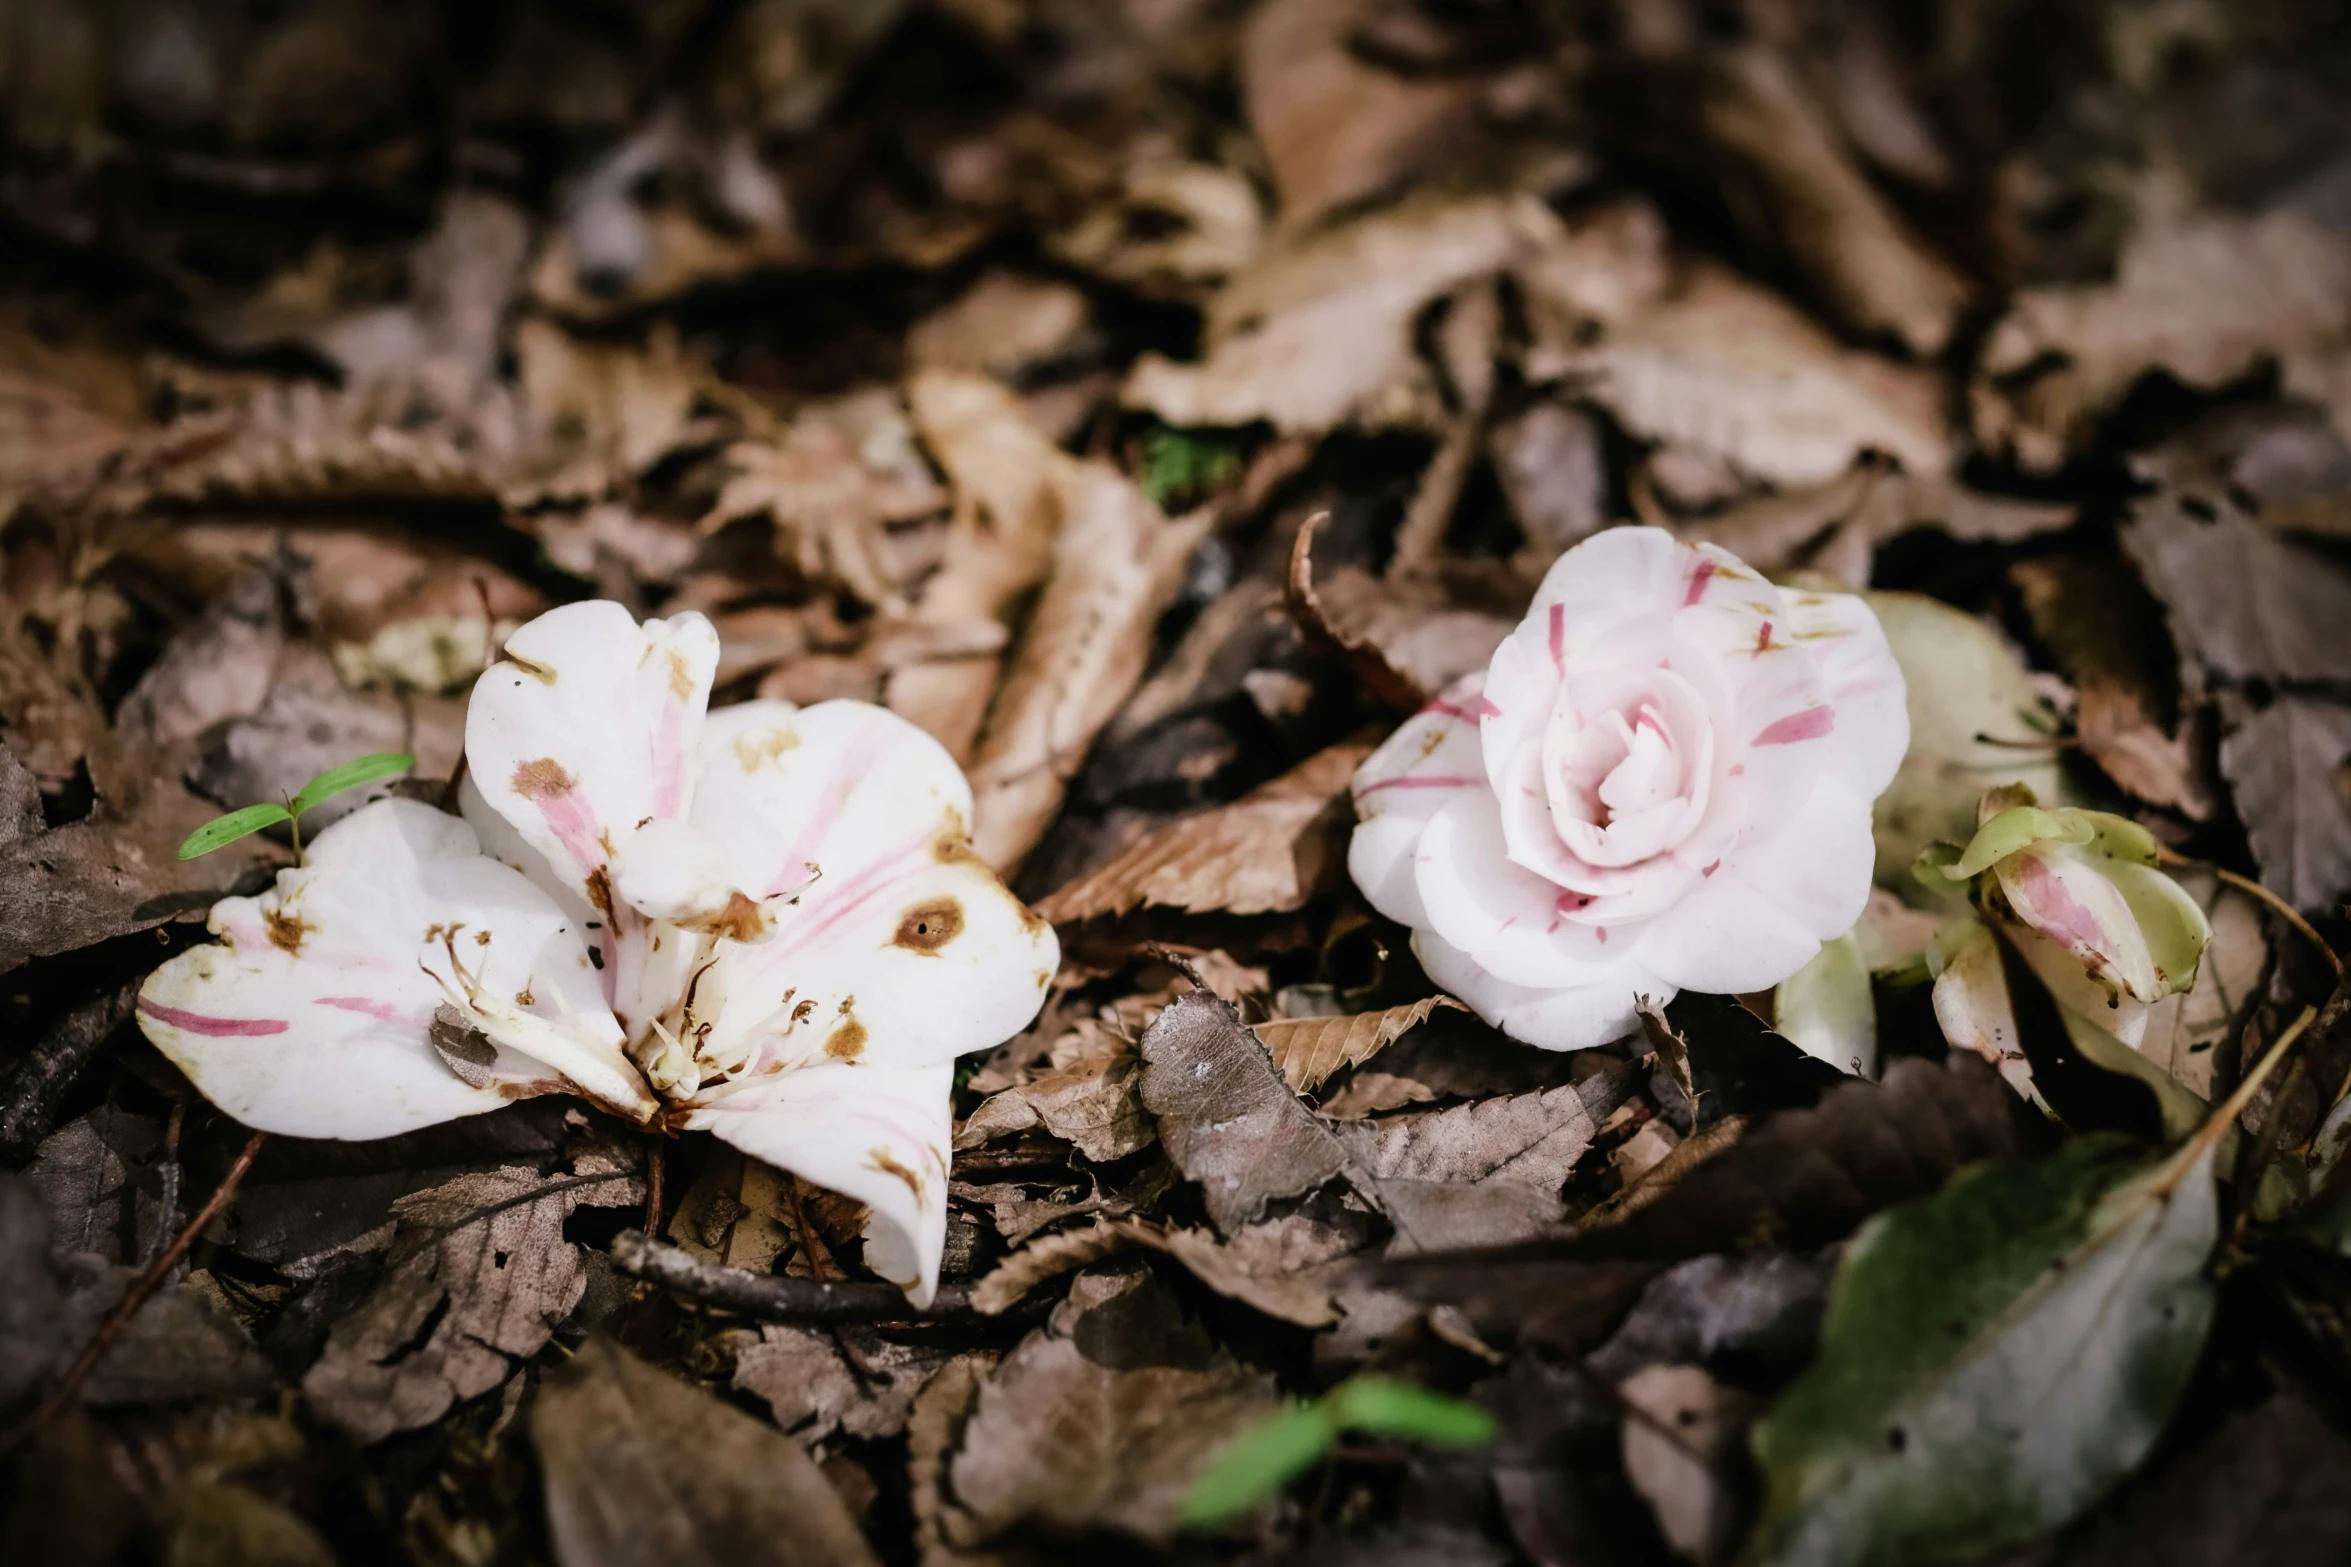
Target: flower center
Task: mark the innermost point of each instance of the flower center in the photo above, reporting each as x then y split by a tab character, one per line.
1626	758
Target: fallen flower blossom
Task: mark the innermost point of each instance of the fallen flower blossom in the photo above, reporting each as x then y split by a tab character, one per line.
1662	782
763	922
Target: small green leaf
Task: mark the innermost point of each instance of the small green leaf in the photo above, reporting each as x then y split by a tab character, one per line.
350	775
224	830
1259	1464
1383	1406
1179	464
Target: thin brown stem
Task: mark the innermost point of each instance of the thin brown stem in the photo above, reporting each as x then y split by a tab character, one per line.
2253	889
138	1295
654	1163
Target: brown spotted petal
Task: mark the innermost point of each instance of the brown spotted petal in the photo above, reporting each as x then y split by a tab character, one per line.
314	1015
877	1134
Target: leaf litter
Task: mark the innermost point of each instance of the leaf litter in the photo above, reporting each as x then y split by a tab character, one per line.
1156	403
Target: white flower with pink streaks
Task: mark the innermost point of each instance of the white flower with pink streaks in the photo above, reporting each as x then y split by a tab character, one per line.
763	922
1662	782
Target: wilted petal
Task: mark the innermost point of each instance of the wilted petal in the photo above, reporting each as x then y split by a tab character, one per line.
588	730
1428	761
313	1017
1972	1003
894	945
877	1134
2071	900
2172	923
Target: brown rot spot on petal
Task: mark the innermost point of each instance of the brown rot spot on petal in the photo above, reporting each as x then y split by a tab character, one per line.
953	847
543	673
681	677
881	1159
600	893
543	779
847	1040
929	926
800	1013
286	930
741	920
754	751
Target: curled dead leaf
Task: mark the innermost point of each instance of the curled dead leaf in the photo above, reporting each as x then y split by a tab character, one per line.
1309	1049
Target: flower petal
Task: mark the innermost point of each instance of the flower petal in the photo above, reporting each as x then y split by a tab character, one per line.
1425	763
906	950
1578	1017
1864	684
877	1134
2171	922
2070	899
1770	905
588	729
313	1018
1510	920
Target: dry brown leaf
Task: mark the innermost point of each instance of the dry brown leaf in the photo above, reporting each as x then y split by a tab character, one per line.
48	430
1335	127
827	505
1268	852
1382	680
1117	564
933	1431
813	1388
1722	366
1422	630
737	1212
1847	239
2106	634
1524	1139
1227	1118
1102	1419
2208	299
1173	228
745	1492
1012	489
1836	527
1011	1280
1309	1049
1000	324
601	413
1093	1103
1318	332
480	1269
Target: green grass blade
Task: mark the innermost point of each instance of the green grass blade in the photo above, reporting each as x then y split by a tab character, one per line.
350	775
224	830
1258	1465
1383	1406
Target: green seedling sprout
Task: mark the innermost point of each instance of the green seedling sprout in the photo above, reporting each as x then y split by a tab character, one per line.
222	831
1180	464
1303	1435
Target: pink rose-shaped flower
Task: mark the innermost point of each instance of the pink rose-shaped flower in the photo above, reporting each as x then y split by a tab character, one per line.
1661	782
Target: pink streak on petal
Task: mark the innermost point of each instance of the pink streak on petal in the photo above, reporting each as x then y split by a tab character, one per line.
1418	781
1477	708
573	822
1601	931
2054	910
217	1027
855	764
375	1009
1559	637
1810	724
669	760
1700	575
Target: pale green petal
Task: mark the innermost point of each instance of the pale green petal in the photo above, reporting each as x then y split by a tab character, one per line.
2173	925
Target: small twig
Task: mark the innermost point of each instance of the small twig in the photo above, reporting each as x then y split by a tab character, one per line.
169	1219
774	1296
137	1296
2253	889
654	1162
45	1072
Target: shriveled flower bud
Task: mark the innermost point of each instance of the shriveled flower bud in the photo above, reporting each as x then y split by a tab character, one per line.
2086	881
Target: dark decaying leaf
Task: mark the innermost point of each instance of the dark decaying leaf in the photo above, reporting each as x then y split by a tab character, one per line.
479	1272
2271	1485
36	1334
643	1469
2243	603
1101	1419
1994	1359
1737	1064
1801	1179
2289	768
1520	1139
1229	1121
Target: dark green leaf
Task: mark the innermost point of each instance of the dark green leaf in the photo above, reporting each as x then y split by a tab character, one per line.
1383	1406
1259	1464
350	775
1179	465
1993	1359
224	830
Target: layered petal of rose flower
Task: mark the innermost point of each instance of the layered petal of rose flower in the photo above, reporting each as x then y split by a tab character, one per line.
768	919
1663	780
313	1016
